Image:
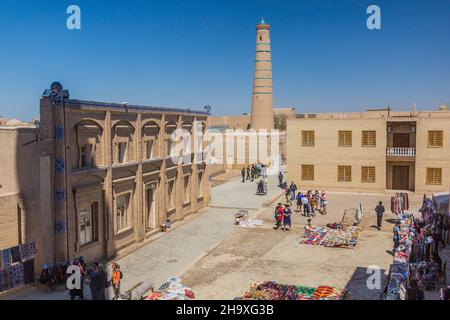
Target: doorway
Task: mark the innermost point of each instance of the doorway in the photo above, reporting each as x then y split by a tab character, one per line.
400	177
150	209
401	140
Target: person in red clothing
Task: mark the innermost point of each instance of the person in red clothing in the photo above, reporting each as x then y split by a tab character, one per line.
279	214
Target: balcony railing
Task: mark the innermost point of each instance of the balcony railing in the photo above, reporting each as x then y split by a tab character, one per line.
401	152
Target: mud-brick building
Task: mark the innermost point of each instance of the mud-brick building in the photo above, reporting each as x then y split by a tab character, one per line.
105	178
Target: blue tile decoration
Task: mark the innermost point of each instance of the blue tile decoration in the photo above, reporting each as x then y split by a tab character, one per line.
60	227
59	132
60	195
59	166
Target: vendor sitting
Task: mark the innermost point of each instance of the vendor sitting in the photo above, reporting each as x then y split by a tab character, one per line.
261	186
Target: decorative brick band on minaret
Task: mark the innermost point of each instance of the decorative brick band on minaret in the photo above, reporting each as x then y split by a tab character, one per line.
262	100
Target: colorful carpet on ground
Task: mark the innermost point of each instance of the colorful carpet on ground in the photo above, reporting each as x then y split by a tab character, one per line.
335	238
271	290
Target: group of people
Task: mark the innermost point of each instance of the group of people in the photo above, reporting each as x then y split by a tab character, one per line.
308	202
96	278
283	216
253	172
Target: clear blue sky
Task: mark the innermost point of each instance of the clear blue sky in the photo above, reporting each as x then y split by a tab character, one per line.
189	53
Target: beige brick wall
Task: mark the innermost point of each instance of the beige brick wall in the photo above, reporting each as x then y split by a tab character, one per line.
9	224
432	157
326	156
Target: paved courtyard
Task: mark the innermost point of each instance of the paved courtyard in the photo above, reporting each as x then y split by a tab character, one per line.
220	260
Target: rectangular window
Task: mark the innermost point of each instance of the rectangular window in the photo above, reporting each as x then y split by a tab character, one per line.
435	139
85	226
344	173
308	138
87	155
369	139
169	146
200	184
344	138
122	152
122	208
434	176
368	174
170	194
88	221
150	144
187	189
308	172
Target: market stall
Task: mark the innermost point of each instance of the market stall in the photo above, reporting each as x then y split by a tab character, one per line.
172	289
17	266
270	290
331	237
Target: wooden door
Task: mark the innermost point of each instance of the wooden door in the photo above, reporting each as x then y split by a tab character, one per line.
400	178
401	140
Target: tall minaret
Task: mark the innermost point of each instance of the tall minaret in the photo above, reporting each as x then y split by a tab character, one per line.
262	101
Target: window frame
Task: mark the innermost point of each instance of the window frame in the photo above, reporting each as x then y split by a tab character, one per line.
305	175
343	167
430	142
434	177
368	175
368	138
342	142
304	136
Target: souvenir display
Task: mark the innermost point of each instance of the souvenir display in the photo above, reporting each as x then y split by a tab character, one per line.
271	290
172	289
399	203
330	237
248	223
17	266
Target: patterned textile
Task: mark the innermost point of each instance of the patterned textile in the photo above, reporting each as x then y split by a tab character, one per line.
15	254
334	238
17	275
5	282
27	251
271	290
5	258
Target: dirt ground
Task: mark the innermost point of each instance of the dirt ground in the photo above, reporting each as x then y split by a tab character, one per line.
262	254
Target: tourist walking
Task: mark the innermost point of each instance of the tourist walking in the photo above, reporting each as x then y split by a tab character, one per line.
293	188
305	205
323	201
116	279
279	214
92	281
313	204
379	209
287	218
299	202
280	179
243	174
103	283
248	173
287	194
